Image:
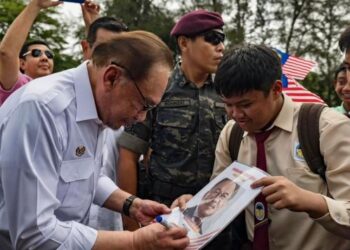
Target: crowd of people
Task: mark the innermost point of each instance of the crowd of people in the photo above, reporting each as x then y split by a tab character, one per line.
128	132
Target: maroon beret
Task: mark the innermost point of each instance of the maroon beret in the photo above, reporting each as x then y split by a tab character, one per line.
196	22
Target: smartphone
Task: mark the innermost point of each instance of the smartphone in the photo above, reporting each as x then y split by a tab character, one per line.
74	1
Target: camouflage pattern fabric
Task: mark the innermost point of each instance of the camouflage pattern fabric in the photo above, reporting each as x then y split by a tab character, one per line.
182	132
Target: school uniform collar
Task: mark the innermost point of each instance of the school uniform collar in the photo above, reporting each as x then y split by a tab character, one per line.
284	119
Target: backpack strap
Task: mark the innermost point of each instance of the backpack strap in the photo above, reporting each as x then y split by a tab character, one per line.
236	137
309	137
238	227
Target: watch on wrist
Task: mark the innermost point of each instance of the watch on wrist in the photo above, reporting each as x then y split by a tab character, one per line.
127	204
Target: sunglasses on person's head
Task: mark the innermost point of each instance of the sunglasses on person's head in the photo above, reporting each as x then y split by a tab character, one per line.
214	37
37	53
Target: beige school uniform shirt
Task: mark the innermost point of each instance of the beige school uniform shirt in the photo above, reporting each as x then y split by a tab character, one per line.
296	230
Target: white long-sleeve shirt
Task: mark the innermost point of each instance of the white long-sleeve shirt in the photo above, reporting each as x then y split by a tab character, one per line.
50	159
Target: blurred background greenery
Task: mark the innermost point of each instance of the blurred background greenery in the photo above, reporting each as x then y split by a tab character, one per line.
305	28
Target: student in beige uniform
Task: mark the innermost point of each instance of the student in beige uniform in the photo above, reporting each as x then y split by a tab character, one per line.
304	211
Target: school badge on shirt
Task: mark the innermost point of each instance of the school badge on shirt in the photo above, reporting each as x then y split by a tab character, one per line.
259	211
80	151
298	153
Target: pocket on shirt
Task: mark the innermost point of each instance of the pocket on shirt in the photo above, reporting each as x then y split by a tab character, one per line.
77	182
220	114
175	117
306	179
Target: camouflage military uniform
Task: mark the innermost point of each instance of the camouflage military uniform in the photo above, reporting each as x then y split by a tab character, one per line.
182	132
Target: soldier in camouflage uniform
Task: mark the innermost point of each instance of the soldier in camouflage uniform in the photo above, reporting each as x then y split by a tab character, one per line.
183	130
182	133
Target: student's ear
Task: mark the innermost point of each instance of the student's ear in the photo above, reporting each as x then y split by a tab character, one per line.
85	46
111	77
277	88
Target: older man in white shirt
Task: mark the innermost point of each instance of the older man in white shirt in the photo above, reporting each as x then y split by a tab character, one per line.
51	147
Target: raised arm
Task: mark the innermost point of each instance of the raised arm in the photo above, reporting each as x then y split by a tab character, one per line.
90	11
15	38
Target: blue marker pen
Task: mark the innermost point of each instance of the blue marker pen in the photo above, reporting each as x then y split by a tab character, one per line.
164	222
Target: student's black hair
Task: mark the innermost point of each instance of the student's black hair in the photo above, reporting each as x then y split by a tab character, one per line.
107	23
26	46
245	68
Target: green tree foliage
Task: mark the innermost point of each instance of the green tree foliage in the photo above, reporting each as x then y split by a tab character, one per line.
48	27
306	28
144	15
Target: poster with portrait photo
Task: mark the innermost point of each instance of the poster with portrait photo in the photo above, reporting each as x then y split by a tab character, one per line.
217	204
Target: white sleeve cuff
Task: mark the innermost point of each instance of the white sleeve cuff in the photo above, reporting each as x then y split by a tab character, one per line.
105	187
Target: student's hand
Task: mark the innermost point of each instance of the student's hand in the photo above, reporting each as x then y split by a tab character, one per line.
90	12
181	201
156	236
44	4
282	193
144	211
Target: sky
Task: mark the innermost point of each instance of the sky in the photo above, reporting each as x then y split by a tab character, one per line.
70	9
71	12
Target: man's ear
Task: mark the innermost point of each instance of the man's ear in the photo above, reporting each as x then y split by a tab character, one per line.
111	77
182	42
22	64
85	46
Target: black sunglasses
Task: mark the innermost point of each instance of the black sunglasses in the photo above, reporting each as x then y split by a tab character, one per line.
38	52
214	37
146	105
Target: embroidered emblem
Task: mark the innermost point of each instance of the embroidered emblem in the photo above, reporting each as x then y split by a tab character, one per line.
79	151
298	153
259	211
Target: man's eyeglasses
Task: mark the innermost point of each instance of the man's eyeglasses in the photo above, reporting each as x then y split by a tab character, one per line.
146	105
214	37
37	53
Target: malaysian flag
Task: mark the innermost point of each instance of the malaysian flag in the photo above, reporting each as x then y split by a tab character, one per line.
296	68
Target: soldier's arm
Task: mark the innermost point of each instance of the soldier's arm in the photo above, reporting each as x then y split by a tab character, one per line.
127	179
133	142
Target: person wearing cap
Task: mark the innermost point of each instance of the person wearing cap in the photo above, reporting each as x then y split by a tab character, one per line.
183	129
